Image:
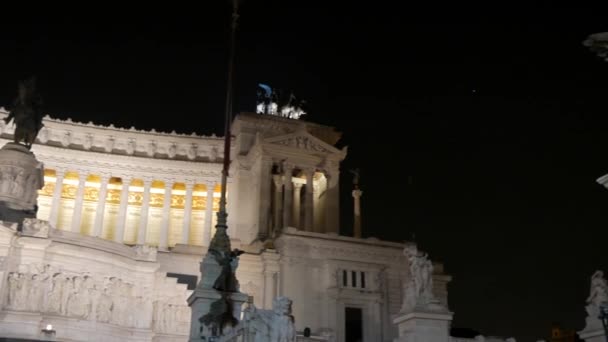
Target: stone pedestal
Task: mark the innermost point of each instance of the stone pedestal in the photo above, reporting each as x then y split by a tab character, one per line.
21	176
423	326
200	302
594	331
205	295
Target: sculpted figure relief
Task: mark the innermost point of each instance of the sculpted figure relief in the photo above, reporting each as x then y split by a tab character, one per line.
41	288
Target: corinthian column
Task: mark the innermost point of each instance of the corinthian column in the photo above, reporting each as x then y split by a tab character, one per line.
278	202
77	214
101	204
297	207
287	196
143	216
208	214
187	212
56	204
357	222
309	201
265	198
119	231
166	220
332	203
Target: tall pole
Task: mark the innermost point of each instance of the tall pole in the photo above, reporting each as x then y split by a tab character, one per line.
220	240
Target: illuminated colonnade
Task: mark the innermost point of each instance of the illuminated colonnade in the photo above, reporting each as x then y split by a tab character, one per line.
136	210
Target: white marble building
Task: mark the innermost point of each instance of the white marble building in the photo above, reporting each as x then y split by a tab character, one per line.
125	207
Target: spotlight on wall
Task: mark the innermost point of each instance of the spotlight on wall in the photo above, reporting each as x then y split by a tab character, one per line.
48	330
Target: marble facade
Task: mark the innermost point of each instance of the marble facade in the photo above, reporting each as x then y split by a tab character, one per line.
124	207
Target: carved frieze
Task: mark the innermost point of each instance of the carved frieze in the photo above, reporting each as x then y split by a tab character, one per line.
303	142
104	299
110	139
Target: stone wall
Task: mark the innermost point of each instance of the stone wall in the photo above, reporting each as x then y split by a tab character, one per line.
87	288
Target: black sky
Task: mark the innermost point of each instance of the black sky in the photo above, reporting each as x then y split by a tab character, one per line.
479	128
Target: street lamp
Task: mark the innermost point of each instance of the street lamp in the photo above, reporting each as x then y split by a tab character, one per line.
604	318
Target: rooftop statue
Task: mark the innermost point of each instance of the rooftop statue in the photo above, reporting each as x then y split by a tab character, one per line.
268	103
26	112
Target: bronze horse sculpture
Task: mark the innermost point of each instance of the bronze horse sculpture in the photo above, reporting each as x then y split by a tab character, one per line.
26	113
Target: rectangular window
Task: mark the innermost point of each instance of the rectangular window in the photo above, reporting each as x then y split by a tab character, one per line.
344	278
354	278
362	280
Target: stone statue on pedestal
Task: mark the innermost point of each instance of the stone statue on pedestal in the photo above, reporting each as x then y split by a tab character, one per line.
26	113
418	289
276	325
21	175
598	294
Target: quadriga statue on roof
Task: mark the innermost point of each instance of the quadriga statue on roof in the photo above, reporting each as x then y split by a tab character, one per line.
26	112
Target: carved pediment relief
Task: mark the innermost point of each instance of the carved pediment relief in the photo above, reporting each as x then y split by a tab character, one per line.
303	141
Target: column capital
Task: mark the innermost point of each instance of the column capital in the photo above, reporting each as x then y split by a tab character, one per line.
210	184
297	185
147	181
189	184
287	166
104	176
309	171
82	176
60	172
126	179
278	181
357	193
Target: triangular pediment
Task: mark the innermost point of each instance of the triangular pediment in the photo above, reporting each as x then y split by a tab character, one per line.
303	140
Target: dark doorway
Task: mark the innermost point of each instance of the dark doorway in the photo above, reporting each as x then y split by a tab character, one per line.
353	324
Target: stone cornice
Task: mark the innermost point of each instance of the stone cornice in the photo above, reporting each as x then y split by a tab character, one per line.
109	139
302	244
274	125
74	160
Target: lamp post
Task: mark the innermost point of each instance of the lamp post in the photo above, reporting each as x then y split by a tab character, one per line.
604	318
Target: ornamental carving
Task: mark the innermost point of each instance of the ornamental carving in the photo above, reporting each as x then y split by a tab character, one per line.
303	142
199	202
42	288
104	299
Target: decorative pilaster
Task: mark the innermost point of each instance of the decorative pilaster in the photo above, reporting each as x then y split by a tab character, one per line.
187	212
101	204
265	198
56	204
287	196
208	214
143	216
297	207
164	226
278	203
309	201
77	215
119	233
357	210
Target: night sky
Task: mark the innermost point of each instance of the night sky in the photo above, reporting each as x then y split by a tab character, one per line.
479	129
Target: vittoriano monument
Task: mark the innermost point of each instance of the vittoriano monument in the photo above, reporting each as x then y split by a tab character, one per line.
21	175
